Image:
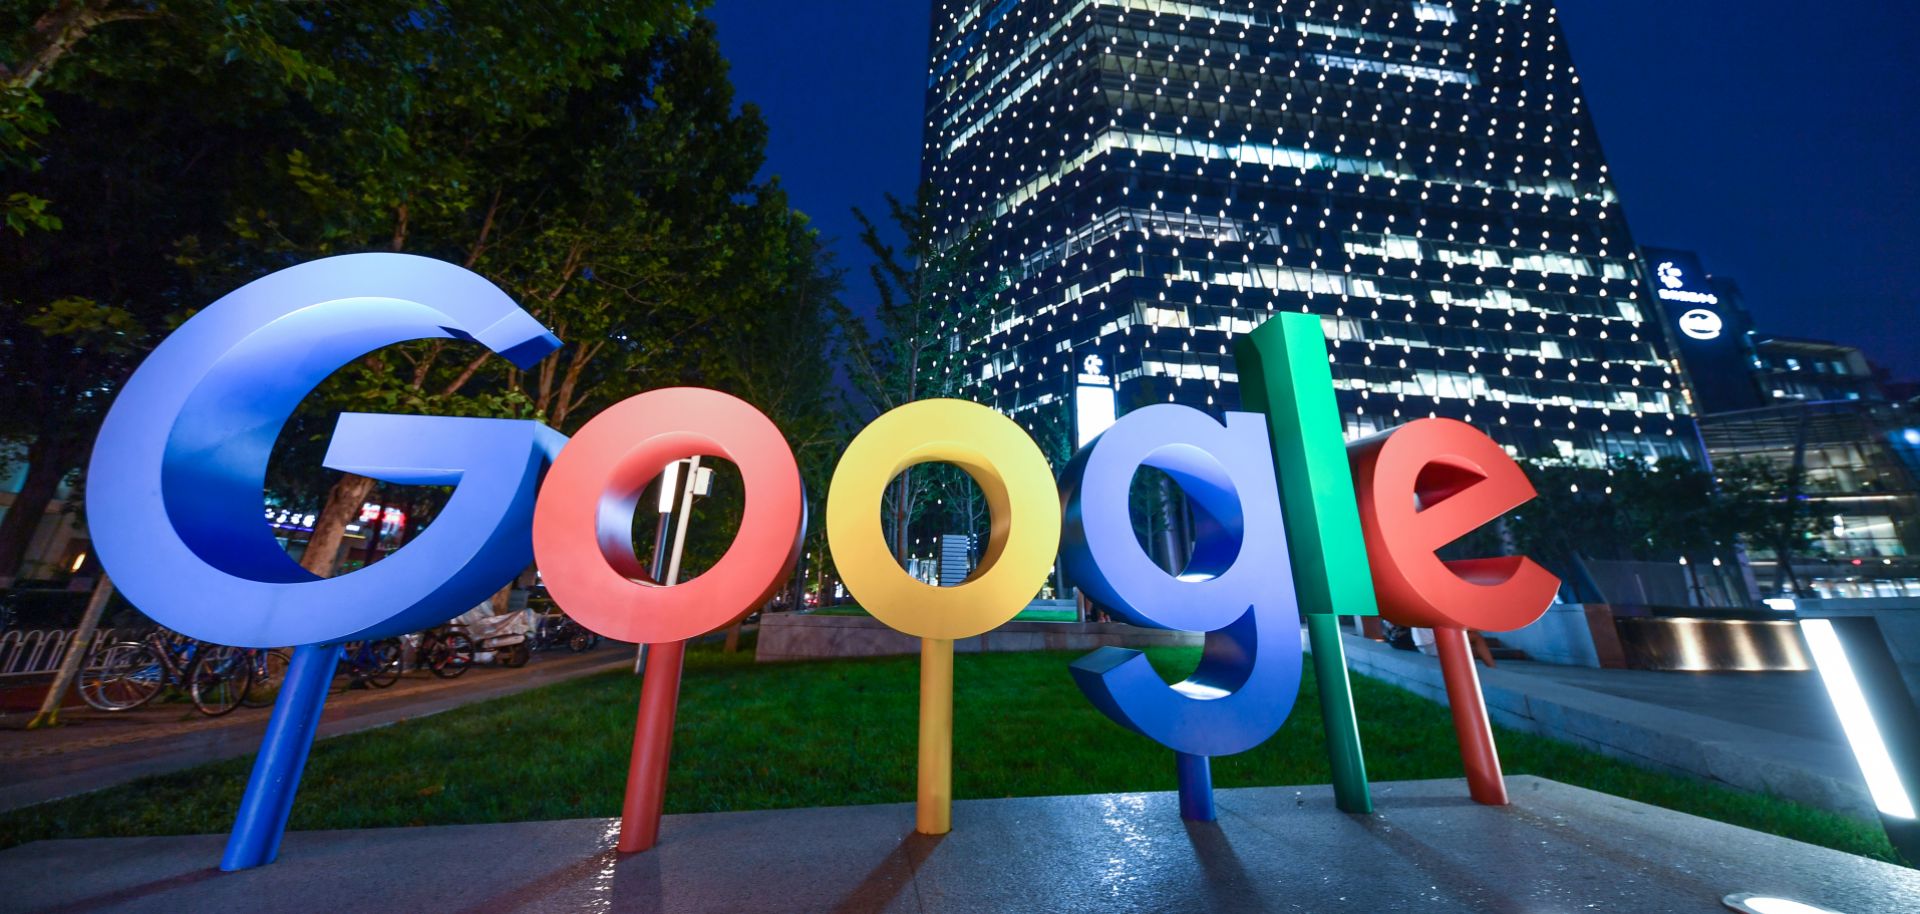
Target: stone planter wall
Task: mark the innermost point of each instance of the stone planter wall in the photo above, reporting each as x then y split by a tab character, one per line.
801	636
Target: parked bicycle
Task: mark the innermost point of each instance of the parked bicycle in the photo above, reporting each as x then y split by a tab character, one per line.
269	668
445	651
555	630
128	674
370	664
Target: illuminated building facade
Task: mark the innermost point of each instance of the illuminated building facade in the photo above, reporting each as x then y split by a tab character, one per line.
1855	467
1157	177
1848	450
1787	368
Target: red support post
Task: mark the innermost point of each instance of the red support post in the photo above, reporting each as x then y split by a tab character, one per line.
1470	724
652	748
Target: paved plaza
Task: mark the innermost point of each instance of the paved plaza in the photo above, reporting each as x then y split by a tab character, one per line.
1427	849
1773	733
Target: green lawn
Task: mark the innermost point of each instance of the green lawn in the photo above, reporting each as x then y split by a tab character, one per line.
832	733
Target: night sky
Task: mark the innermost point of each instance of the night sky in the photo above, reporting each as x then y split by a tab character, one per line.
1777	139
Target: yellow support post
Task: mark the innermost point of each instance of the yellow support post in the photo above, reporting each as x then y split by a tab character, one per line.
933	814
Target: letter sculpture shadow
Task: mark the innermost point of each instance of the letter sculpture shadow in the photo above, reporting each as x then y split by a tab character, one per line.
175	505
1238	587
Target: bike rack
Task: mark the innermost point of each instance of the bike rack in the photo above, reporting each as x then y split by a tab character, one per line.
36	652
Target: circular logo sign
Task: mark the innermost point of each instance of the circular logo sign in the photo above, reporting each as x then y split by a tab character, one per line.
1701	324
1670	275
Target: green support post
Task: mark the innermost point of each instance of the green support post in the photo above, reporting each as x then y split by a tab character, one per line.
1284	374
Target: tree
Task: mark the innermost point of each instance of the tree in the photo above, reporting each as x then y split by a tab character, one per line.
787	368
429	117
1629	509
32	51
929	294
1768	504
587	159
138	176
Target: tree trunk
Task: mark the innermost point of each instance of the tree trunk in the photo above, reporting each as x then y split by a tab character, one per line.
901	511
343	504
77	651
48	462
797	583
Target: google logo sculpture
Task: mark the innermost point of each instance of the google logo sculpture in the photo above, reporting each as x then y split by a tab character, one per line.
1290	522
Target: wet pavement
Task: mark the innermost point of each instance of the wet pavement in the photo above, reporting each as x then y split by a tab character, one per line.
94	750
1428	848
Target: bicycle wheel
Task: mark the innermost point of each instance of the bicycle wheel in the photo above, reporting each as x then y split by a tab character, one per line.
383	669
451	656
514	656
269	671
127	676
218	679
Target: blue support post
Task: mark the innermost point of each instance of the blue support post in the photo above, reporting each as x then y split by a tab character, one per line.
264	810
1195	773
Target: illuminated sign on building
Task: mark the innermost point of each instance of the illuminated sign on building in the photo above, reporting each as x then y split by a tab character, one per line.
1093	402
1702	324
1710	330
1673	287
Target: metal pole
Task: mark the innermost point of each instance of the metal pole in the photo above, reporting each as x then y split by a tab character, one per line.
77	650
680	533
658	569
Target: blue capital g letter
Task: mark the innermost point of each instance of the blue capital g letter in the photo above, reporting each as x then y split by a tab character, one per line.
174	500
1238	587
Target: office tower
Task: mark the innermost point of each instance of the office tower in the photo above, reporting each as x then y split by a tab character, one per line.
1155	178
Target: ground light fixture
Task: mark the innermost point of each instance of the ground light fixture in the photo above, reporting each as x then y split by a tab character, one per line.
1878	715
1750	903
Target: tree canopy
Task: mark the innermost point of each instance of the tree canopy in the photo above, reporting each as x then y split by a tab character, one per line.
590	159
